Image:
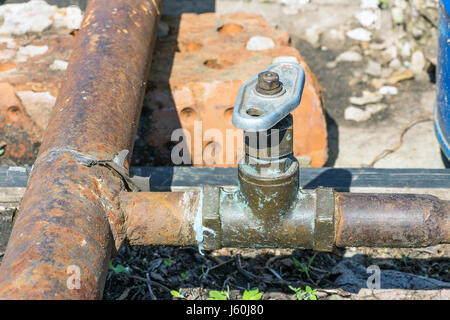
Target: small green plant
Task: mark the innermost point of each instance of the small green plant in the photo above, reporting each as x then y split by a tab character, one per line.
252	295
302	267
168	262
118	269
177	294
307	294
404	259
225	295
219	295
383	3
184	276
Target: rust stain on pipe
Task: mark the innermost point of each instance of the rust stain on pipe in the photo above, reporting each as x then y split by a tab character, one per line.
371	220
98	106
160	218
54	234
70	215
391	220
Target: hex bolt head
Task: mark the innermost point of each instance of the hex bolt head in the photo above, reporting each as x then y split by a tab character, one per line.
268	83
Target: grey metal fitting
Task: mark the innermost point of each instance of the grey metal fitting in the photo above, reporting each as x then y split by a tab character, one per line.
211	222
308	223
254	111
324	229
268	173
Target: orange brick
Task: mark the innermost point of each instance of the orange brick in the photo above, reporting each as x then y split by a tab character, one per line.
196	74
19	131
19	137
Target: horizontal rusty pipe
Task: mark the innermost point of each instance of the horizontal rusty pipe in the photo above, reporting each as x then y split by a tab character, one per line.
391	220
70	220
218	217
165	218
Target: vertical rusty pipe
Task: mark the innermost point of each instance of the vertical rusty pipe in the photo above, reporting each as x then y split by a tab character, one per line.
391	220
70	218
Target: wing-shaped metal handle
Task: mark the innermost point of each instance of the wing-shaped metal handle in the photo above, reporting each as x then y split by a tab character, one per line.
268	97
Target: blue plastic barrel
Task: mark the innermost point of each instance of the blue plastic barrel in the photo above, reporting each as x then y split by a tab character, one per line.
442	109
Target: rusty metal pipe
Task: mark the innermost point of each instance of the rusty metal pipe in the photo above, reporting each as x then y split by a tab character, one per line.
391	220
160	218
70	219
372	220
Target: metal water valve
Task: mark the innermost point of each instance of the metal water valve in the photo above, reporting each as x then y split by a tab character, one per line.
268	173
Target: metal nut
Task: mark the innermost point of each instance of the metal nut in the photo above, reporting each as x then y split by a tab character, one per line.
268	83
